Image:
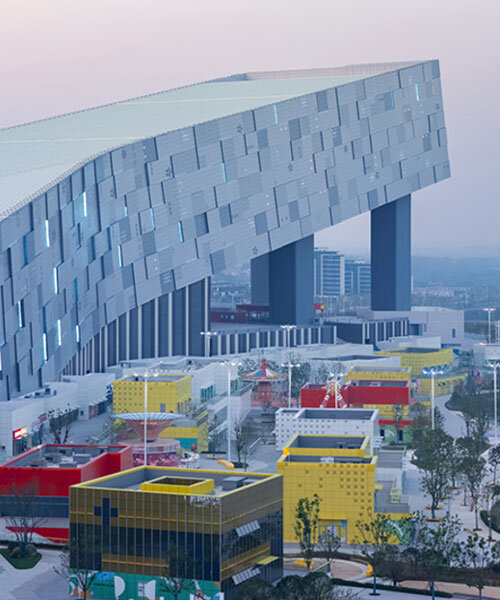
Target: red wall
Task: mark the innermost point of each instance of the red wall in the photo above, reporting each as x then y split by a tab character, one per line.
313	397
356	394
55	481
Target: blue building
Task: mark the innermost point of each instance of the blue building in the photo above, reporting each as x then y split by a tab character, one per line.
113	219
357	277
329	273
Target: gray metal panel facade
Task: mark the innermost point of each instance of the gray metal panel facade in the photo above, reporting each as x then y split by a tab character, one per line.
146	221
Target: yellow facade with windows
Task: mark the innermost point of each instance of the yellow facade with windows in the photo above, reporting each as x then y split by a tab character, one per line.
388	374
344	479
421	358
346	489
166	393
442	384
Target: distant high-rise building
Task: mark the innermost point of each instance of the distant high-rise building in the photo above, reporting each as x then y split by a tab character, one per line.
336	275
357	277
329	273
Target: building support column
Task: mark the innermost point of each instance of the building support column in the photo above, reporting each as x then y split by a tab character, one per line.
391	256
283	280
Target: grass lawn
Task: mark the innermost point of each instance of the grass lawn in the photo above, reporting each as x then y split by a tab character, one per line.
21	563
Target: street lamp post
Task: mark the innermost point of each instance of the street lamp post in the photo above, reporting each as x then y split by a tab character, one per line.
207	335
287	329
489	311
145	418
229	364
290	366
494	366
433	373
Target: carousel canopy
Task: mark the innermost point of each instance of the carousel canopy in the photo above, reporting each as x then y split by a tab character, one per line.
263	373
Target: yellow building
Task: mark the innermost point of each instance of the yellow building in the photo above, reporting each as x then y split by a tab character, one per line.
443	384
190	431
378	374
167	392
421	358
340	471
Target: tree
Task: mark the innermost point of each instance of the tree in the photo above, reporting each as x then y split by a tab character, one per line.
398	414
494	460
432	458
215	434
396	564
290	588
473	467
24	519
176	577
478	556
77	563
328	544
60	424
306	526
374	537
433	549
255	589
420	422
242	439
300	374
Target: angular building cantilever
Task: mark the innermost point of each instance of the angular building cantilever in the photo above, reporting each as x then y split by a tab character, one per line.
113	219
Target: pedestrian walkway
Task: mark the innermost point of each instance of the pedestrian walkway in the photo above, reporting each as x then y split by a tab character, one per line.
39	583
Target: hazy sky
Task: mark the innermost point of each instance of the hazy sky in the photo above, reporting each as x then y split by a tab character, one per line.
63	55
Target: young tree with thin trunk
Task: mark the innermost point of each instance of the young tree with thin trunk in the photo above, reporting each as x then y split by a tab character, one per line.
434	548
176	578
477	557
243	439
473	467
329	544
306	526
374	539
25	518
432	458
78	561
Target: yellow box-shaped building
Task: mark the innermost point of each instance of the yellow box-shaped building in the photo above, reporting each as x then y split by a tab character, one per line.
421	358
378	374
167	392
443	384
344	482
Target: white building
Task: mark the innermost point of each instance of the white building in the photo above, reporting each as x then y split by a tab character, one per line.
325	421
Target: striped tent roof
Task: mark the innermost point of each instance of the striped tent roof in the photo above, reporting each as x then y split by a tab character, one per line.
263	373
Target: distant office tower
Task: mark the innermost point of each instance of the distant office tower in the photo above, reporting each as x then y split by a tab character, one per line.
357	277
114	219
329	276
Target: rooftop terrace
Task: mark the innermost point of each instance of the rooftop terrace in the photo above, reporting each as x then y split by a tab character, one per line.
134	479
328	441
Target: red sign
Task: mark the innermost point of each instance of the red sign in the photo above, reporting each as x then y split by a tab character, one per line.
19	433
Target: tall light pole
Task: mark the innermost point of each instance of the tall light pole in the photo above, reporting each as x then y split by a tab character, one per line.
146	418
290	366
494	366
287	329
208	335
489	311
228	364
433	373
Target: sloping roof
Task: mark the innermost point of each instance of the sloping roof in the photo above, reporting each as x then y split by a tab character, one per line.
37	155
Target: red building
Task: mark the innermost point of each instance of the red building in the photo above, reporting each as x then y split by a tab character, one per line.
49	470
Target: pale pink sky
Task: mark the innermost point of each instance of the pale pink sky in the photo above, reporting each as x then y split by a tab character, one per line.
63	55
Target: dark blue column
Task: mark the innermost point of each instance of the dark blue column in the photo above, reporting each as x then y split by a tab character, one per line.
283	279
391	255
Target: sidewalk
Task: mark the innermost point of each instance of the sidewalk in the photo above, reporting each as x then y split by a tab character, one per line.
39	583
